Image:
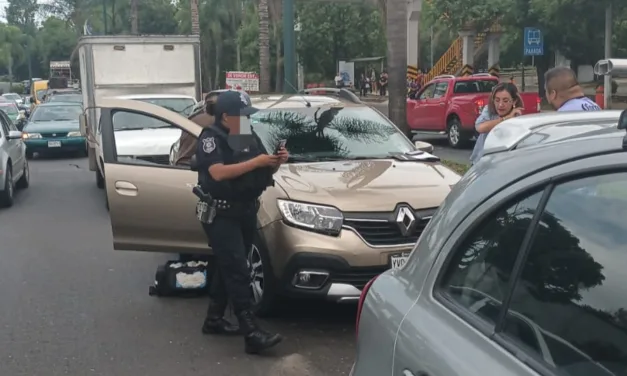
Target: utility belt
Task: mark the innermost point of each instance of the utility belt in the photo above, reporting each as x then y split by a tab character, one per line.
208	207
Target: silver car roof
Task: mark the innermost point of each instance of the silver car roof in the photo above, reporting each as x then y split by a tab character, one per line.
546	127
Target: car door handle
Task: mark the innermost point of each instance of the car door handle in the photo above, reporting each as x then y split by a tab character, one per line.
125	188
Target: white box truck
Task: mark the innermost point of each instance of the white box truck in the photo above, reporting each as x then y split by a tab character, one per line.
134	67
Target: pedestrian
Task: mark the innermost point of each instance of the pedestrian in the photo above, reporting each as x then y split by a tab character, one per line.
363	85
504	103
383	83
564	93
235	180
339	81
373	81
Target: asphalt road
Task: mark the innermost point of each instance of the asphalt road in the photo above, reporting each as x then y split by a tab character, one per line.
70	305
440	144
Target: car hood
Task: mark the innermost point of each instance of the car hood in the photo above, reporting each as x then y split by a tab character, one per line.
155	141
368	185
52	126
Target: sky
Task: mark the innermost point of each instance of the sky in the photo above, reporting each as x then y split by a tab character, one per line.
4	3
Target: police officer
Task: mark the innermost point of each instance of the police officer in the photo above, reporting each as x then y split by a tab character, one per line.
235	179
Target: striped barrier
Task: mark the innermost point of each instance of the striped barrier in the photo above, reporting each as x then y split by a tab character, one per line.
495	70
467	70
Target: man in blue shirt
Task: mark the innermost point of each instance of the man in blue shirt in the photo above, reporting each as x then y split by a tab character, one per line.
564	93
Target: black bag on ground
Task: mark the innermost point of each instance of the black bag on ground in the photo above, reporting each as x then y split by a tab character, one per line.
178	278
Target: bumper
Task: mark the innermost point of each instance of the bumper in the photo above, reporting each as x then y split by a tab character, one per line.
58	144
340	266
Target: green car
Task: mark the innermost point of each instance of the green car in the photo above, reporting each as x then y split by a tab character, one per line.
54	127
10	108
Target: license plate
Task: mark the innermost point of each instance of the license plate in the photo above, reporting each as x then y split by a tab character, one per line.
398	260
54	144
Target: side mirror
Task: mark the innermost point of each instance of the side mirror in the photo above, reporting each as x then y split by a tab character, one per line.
424	146
14	135
622	120
82	119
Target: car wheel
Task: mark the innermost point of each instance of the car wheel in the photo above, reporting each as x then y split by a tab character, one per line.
263	283
24	181
457	137
100	182
6	196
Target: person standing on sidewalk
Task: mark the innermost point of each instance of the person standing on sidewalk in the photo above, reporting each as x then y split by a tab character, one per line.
564	93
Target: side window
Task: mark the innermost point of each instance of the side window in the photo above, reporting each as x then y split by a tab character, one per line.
12	126
143	139
480	269
5	125
440	90
573	286
427	93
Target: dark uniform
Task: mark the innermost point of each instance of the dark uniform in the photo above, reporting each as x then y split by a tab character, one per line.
232	230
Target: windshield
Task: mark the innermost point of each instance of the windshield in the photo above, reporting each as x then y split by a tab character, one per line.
183	106
469	87
9	109
66	98
12	96
56	113
330	132
127	121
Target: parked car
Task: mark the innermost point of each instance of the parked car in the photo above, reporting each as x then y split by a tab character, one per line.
53	127
450	105
350	203
14	97
520	270
64	95
12	111
14	172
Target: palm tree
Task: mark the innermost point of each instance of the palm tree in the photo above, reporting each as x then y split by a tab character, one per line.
264	46
396	30
193	10
134	17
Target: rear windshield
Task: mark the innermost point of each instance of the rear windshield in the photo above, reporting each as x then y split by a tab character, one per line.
472	87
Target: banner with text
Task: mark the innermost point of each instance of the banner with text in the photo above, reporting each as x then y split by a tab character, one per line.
247	81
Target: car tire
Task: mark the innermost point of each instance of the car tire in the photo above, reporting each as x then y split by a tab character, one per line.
100	182
263	283
456	136
24	181
7	195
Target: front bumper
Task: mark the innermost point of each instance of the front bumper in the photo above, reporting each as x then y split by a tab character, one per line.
347	261
66	144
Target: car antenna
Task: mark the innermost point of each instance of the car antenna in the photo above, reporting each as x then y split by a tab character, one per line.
307	103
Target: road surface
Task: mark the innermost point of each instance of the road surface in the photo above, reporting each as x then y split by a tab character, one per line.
73	306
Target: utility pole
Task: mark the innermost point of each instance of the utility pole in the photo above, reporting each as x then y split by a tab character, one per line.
289	47
607	79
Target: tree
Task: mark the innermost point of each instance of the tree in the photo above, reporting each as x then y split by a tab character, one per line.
397	61
264	46
134	17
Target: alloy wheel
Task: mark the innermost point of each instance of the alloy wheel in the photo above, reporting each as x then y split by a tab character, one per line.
255	267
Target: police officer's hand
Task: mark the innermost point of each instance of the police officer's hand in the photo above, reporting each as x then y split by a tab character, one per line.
283	155
266	160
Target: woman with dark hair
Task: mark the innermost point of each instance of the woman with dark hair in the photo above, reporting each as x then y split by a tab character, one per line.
504	103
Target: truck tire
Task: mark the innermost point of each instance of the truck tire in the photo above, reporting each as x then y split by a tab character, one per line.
456	136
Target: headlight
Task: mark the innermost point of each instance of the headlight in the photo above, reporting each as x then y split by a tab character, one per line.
74	134
31	135
325	219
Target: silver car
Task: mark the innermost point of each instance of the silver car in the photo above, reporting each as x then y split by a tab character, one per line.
521	271
14	172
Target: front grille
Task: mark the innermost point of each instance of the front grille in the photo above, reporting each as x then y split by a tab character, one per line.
158	159
357	277
54	135
381	229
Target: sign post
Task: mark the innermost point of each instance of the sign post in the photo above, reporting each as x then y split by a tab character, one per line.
533	45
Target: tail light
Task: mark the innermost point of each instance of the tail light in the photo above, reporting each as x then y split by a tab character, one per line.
360	305
538	104
479	103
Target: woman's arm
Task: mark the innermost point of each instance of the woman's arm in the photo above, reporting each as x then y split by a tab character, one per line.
483	124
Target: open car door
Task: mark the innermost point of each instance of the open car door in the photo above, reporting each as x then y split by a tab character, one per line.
152	207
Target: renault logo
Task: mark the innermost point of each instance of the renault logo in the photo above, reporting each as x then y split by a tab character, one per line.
406	220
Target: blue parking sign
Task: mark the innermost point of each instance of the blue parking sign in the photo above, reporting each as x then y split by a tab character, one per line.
533	42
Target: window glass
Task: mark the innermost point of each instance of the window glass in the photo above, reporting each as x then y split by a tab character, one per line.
440	89
5	125
480	270
573	286
143	139
427	93
48	113
471	87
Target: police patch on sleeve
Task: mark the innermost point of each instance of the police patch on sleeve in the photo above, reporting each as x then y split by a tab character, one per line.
208	145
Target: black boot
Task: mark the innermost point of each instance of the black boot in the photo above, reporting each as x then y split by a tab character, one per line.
215	323
255	339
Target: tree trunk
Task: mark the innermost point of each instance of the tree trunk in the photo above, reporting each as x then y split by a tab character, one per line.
396	31
264	47
217	57
193	5
134	17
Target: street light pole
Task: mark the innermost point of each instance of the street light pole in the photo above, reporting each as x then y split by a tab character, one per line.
607	79
289	47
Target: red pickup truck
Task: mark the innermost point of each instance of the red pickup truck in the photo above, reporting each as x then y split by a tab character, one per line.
450	105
